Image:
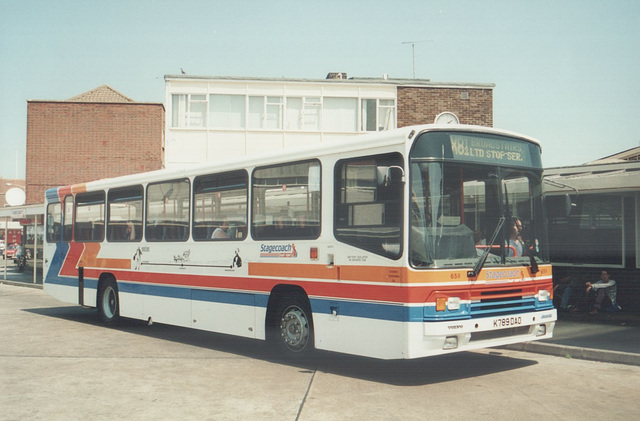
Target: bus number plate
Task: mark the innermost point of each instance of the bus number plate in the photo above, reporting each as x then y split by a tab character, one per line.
507	322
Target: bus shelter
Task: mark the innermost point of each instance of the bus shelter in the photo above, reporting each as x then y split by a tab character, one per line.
31	219
593	213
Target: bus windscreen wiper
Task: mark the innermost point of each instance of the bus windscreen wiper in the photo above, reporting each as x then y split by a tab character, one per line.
480	263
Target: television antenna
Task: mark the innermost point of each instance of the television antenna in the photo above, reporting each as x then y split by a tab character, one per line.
413	51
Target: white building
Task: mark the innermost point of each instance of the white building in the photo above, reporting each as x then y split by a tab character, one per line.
210	118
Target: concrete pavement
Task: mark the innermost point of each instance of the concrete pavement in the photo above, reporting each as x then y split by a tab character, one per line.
612	338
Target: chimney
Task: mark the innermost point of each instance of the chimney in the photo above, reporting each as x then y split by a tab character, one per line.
337	75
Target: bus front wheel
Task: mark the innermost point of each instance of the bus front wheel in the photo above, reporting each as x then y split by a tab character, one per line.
108	303
294	327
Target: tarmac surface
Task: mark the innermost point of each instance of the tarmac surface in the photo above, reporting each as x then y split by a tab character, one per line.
606	337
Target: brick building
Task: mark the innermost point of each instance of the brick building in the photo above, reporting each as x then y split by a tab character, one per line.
420	104
98	134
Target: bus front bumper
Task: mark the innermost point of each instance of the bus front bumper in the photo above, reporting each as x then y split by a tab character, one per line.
465	335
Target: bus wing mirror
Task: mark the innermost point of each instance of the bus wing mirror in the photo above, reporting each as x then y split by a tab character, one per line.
559	206
388	176
568	204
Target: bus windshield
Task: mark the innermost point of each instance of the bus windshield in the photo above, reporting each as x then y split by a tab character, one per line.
458	208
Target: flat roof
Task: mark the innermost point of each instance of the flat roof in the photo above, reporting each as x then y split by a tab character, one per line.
616	176
352	80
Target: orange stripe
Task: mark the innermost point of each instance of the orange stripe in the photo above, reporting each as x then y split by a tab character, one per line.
385	274
295	270
79	188
381	274
90	259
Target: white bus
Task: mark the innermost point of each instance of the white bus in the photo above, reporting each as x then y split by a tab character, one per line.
401	244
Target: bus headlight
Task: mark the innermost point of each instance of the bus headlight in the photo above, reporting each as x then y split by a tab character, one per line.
448	303
453	303
543	295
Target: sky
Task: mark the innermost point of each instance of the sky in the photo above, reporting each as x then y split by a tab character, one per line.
565	72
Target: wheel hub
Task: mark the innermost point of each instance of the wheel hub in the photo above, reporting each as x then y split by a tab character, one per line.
294	329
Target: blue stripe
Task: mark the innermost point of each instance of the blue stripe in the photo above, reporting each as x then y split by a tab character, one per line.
51	196
53	274
379	311
186	293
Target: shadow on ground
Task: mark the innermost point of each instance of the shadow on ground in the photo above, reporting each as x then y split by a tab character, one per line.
432	370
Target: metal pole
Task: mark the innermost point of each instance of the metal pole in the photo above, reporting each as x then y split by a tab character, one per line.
35	249
6	244
413	54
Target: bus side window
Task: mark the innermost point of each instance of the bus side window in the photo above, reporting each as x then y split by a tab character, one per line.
168	211
369	205
286	201
89	221
54	222
124	207
220	206
67	220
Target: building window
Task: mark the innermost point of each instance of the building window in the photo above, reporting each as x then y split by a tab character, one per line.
227	111
313	114
377	114
189	110
386	114
339	114
265	112
303	114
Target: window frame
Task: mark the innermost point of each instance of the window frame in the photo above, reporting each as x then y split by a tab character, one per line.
313	231
187	228
392	159
49	236
181	111
68	213
221	177
142	213
78	205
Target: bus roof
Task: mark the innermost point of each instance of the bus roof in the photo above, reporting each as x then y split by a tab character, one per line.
348	144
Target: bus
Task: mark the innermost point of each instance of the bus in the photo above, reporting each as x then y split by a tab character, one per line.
394	245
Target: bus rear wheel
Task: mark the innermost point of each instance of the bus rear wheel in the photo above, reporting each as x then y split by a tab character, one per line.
108	302
294	327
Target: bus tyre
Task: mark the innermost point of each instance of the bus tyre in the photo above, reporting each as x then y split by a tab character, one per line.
108	302
294	327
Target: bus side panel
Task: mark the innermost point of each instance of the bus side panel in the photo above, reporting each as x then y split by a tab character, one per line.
64	287
226	312
367	329
163	304
359	336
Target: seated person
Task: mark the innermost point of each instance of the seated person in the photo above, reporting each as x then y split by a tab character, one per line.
221	231
515	245
605	286
567	286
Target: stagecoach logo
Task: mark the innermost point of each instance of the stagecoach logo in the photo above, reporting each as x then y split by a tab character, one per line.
278	250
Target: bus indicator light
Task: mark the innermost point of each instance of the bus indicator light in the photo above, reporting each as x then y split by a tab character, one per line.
313	253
